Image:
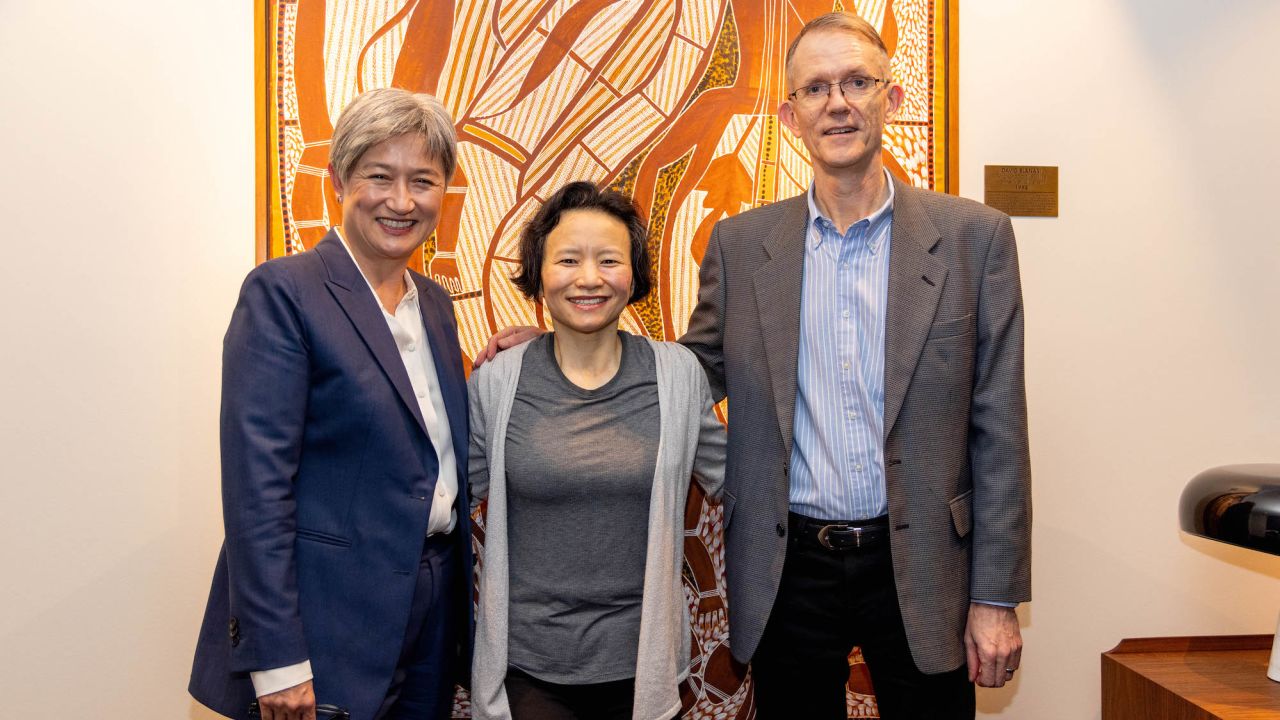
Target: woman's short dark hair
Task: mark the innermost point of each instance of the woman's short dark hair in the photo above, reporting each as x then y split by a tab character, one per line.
583	195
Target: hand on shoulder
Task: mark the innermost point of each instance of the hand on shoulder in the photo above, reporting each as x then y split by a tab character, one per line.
505	339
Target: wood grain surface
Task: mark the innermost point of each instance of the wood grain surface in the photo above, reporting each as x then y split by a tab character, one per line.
1190	678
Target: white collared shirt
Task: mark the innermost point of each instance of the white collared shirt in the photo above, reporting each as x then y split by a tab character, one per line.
411	340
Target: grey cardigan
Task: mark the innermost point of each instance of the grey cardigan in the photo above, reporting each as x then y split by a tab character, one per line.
691	442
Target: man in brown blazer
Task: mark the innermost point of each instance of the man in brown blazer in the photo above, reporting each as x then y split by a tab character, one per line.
869	338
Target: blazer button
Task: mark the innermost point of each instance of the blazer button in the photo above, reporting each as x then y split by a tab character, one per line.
782	530
233	631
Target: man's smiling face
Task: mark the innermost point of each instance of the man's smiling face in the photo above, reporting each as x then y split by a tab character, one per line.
841	133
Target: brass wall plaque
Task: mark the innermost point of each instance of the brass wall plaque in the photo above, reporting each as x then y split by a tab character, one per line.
1026	190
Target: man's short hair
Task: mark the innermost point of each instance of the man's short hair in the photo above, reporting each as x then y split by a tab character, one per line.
582	195
376	116
840	21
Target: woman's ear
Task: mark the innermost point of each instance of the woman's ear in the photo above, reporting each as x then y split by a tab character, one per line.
337	183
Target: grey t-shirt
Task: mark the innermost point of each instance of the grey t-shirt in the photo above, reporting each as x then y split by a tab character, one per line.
580	467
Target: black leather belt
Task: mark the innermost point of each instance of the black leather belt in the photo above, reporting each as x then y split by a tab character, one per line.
437	543
840	534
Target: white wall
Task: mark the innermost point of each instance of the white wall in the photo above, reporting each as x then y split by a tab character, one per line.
127	188
1153	342
1151	303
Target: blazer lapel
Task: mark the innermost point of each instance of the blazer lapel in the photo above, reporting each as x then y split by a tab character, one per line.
448	360
777	284
352	292
915	286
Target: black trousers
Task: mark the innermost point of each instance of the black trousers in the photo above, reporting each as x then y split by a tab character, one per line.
422	685
534	699
828	602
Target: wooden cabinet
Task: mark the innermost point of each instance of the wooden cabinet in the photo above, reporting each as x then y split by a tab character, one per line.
1190	678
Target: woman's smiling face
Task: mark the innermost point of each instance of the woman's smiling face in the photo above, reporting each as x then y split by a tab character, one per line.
586	272
391	201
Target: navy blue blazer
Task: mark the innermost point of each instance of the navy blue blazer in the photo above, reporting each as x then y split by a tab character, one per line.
327	478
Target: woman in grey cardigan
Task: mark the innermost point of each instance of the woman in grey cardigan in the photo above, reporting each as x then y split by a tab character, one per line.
584	441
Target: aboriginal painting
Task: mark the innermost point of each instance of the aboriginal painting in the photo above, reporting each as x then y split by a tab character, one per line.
670	101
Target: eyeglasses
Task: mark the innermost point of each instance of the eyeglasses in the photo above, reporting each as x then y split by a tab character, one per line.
853	88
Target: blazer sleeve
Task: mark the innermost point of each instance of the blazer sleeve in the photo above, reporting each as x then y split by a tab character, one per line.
998	448
265	366
705	336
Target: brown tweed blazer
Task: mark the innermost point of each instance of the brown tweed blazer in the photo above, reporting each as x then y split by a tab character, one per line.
957	468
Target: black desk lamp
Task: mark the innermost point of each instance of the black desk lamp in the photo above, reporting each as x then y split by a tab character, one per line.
1238	505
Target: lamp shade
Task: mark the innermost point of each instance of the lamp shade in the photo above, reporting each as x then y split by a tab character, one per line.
1235	504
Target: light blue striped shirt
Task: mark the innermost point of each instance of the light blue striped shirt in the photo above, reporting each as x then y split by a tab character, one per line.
837	460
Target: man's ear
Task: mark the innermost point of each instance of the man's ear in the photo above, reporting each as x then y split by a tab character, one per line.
787	114
896	96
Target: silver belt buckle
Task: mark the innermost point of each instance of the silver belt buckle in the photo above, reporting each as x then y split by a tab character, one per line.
825	530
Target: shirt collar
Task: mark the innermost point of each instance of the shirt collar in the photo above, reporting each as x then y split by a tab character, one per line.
820	225
410	289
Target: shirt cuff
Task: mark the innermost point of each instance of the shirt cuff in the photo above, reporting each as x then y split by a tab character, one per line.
266	682
997	603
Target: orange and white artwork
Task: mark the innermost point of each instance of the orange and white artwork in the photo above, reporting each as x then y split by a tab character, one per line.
673	102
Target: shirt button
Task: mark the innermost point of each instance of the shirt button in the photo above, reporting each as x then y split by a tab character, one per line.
858	467
844	313
440	492
410	347
853	415
782	530
845	365
421	393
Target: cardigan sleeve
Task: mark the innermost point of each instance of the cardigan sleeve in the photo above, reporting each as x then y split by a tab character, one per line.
709	459
477	455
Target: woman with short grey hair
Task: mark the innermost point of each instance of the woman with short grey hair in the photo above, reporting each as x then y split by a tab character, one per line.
343	588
